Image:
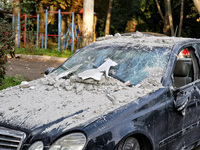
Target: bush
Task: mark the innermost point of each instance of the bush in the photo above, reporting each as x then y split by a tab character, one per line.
6	45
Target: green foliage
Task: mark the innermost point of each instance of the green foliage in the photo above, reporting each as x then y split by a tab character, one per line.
142	15
124	11
11	81
6	45
27	6
7	34
101	8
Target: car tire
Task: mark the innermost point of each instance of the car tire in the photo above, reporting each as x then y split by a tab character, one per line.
130	143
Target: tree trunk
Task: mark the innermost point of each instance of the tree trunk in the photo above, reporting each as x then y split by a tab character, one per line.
181	18
168	21
41	20
88	20
107	29
170	17
16	11
197	5
51	16
166	28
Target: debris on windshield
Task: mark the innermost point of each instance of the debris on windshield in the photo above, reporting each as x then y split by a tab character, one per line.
127	83
50	96
154	78
104	80
97	73
67	72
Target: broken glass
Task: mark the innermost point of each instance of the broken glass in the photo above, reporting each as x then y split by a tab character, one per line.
132	61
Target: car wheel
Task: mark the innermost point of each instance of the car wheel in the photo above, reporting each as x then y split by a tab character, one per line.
130	143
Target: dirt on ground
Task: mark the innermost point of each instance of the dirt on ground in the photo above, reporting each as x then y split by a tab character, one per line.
30	69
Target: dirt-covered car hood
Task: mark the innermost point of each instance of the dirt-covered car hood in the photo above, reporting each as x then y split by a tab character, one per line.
68	103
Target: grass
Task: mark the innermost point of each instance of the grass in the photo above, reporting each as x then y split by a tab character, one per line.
11	81
46	52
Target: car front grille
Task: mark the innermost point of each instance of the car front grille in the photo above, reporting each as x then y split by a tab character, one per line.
11	139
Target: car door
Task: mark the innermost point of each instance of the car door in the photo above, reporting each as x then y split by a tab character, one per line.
184	108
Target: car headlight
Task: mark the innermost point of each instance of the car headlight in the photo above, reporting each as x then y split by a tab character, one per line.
36	146
73	141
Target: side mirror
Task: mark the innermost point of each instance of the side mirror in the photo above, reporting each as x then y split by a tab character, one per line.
49	70
181	100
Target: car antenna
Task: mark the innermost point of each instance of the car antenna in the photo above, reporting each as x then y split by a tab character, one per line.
175	31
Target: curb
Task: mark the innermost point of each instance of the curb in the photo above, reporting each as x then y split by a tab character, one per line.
38	57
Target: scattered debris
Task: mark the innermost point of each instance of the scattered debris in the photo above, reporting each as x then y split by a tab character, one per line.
51	95
137	35
117	35
24	84
96	74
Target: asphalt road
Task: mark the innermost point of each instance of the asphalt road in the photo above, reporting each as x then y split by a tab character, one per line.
30	69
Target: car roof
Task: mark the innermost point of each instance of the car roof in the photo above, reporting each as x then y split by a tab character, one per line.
141	39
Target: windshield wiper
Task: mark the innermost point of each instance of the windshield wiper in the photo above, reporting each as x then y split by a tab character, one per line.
65	68
116	77
68	72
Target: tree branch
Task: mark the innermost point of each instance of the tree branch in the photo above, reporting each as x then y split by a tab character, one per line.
159	10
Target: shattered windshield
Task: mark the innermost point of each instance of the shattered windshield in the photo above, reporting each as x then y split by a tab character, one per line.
132	61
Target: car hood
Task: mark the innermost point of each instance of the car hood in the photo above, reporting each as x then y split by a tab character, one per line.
63	104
